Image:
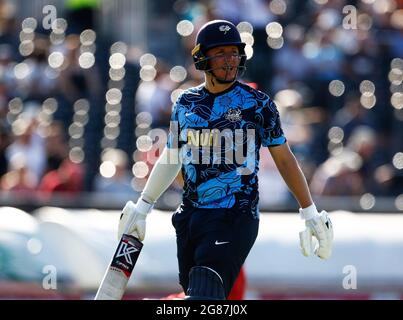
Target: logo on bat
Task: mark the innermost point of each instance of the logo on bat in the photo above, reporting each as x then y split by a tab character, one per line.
126	250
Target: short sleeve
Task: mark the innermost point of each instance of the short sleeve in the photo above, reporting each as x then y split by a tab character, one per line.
270	131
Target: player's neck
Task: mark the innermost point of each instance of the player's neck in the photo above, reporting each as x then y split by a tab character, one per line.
213	86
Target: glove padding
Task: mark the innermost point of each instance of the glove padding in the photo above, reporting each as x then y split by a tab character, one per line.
321	228
133	219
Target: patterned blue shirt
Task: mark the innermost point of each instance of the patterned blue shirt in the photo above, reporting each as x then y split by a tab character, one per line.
220	136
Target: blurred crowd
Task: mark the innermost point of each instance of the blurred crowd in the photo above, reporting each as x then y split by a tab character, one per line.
77	108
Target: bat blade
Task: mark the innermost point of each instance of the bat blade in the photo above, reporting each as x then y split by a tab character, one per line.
118	273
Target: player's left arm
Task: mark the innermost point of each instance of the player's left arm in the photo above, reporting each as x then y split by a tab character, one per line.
318	224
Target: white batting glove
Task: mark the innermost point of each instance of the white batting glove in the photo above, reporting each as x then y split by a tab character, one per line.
133	219
319	226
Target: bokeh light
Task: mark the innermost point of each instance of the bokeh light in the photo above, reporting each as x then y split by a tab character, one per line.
140	169
399	202
144	143
56	59
336	88
26	48
274	30
88	37
50	105
178	74
396	63
185	28
148	59
148	73
29	25
81	117
22	70
15	105
77	155
107	169
336	134
24	36
76	130
248	52
367	86
119	47
112	117
57	38
288	98
144	119
368	100
81	105
275	43
247	38
113	96
117	74
278	7
245	26
117	60
398	160
367	201
397	100
59	26
113	107
111	131
86	60
395	76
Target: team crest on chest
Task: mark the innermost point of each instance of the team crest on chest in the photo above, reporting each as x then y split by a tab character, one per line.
233	115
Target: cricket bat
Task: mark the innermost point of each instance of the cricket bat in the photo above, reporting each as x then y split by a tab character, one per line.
118	273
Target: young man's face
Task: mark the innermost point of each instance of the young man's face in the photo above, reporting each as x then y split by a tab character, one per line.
224	62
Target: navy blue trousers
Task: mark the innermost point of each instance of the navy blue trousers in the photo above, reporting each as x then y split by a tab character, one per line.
220	239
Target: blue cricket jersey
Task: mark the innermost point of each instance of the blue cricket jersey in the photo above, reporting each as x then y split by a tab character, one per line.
220	136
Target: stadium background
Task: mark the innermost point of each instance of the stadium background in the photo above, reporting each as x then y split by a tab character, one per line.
86	89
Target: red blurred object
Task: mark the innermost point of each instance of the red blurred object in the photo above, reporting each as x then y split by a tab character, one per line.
237	292
253	85
67	178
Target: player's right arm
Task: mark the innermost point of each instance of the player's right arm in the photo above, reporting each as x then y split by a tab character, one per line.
133	217
133	222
